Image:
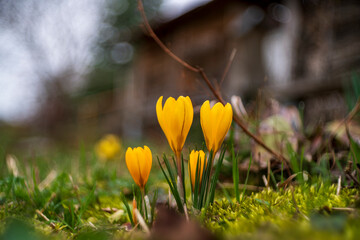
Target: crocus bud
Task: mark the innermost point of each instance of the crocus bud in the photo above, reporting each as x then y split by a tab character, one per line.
138	162
215	123
197	160
175	119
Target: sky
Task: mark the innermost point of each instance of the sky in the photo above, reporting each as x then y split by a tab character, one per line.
174	8
20	91
20	87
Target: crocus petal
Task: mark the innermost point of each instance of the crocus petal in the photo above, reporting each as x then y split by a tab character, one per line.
192	168
175	119
141	164
138	162
148	165
177	124
217	119
206	123
132	165
215	123
188	118
226	122
159	112
195	157
160	115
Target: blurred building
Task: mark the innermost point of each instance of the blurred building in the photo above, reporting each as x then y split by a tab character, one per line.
293	50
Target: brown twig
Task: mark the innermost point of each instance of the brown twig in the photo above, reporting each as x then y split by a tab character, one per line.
215	92
159	42
354	111
227	68
287	181
345	121
45	218
353	178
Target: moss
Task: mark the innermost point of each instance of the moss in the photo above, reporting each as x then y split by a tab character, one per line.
306	211
277	211
95	214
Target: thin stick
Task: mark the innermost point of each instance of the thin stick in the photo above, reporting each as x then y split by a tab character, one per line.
215	92
186	212
266	183
345	121
346	209
45	218
92	225
231	59
338	186
159	42
141	221
48	180
148	207
353	178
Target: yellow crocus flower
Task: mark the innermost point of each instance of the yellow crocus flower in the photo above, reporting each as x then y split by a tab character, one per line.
108	147
215	123
175	119
138	162
196	156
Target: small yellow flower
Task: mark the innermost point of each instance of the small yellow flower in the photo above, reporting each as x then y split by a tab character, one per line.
175	119
108	147
196	156
215	123
138	162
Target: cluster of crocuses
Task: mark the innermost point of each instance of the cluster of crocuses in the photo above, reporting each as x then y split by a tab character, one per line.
175	119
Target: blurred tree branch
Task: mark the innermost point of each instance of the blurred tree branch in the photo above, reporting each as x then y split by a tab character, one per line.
216	92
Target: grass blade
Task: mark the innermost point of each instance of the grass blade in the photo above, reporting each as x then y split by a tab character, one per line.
246	179
235	172
123	199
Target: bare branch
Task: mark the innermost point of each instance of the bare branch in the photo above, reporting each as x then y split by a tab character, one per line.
231	59
215	92
160	43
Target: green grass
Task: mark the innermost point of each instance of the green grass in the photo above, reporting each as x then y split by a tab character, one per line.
74	201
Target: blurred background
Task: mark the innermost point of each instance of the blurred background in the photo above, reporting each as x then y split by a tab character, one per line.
72	71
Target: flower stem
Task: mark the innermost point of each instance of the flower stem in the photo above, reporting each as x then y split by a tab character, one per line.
143	202
211	165
180	177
